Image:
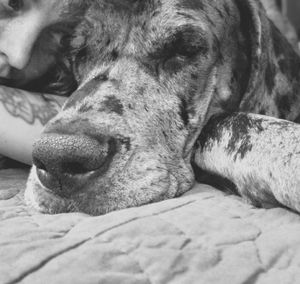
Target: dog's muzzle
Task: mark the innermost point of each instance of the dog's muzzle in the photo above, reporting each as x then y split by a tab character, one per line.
66	162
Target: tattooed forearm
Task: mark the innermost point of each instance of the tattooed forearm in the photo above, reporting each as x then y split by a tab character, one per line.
29	107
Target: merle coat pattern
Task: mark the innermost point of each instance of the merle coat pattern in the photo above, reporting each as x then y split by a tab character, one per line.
151	74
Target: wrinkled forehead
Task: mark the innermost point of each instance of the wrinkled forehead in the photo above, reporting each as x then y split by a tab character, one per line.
139	26
164	14
165	8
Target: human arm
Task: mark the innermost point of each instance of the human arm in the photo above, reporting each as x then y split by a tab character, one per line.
22	118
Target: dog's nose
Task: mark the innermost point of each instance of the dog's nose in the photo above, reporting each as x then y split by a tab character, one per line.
65	162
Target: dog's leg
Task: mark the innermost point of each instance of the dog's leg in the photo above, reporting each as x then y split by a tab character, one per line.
260	155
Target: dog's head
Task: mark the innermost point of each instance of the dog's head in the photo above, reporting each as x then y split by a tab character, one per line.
151	73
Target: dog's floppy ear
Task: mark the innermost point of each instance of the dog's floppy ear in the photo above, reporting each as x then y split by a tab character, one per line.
257	32
258	29
255	27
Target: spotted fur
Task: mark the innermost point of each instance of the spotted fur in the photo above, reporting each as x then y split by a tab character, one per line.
151	73
260	155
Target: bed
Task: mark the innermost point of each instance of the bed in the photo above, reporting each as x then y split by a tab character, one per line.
205	236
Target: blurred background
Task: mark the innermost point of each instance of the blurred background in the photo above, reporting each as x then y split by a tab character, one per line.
291	8
286	16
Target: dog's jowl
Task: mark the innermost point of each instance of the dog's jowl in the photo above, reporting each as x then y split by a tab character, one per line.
151	74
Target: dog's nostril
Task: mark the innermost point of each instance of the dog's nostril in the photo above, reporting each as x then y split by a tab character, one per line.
75	168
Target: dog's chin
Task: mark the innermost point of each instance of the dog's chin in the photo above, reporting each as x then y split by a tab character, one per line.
99	197
42	199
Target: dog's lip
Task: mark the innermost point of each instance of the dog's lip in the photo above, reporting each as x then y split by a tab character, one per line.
46	201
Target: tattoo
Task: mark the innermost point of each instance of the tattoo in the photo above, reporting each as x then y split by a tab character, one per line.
27	106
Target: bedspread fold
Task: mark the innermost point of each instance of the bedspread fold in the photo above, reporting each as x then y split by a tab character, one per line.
205	236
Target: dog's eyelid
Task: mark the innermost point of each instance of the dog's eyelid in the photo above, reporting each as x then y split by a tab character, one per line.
190	40
101	77
184	42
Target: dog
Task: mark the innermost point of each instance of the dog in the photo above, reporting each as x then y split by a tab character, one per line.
254	156
151	74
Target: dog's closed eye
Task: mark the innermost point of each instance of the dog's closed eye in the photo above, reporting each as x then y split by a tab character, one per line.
186	41
179	48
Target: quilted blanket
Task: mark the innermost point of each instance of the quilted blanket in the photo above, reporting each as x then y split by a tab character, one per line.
205	236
